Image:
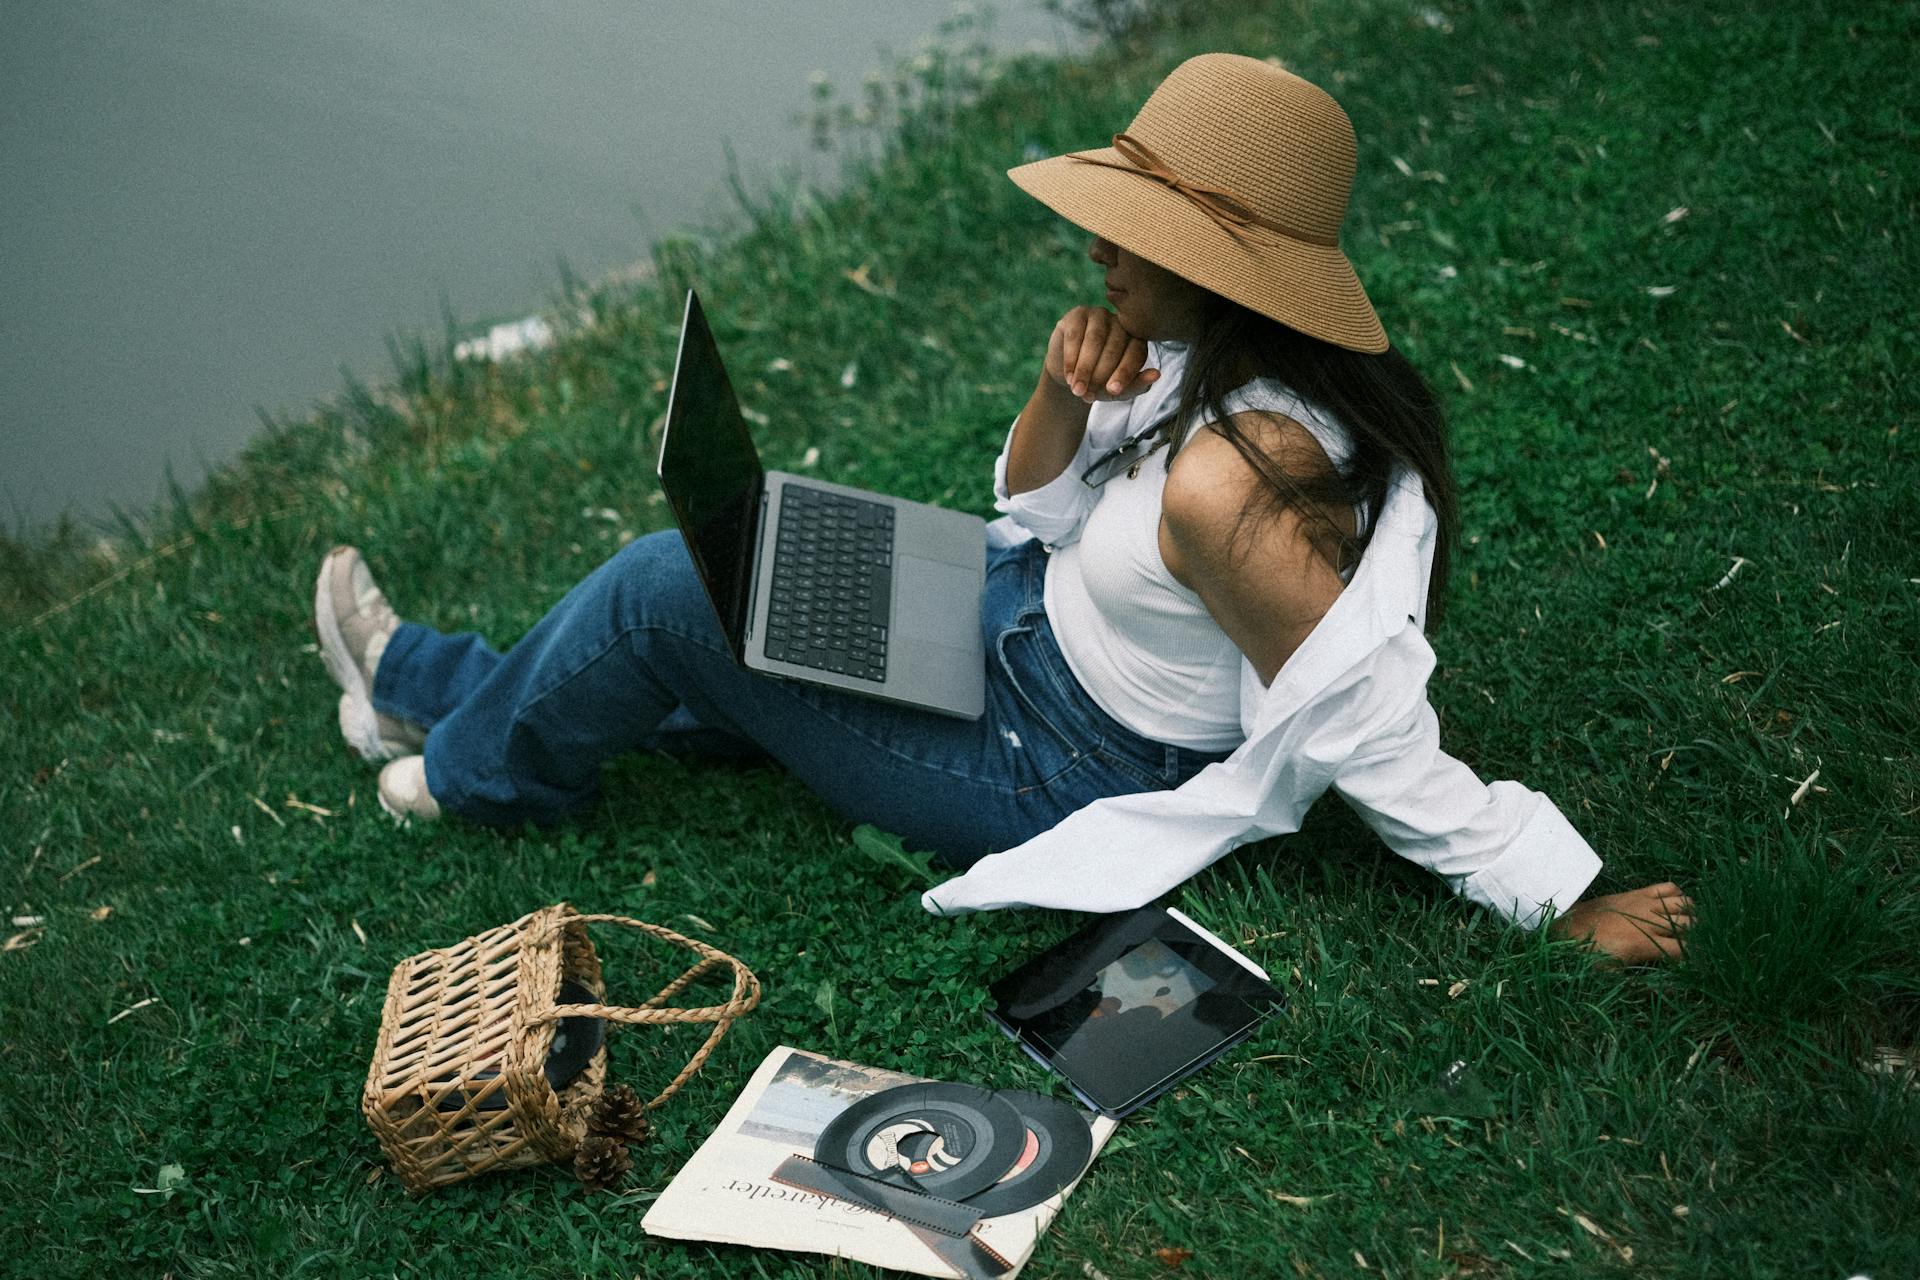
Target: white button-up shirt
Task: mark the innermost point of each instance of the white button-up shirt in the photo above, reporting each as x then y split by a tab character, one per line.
1348	712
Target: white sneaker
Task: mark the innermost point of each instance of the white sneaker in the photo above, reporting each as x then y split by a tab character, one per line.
392	736
403	791
353	622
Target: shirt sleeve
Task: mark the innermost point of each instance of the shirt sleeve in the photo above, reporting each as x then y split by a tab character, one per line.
1501	845
1113	855
1498	844
1055	511
1124	851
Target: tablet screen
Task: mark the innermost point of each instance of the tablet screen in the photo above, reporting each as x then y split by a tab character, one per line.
1129	1005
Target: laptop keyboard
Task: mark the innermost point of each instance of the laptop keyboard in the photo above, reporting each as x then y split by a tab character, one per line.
832	583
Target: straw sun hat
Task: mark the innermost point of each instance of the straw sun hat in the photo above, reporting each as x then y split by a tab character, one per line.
1234	176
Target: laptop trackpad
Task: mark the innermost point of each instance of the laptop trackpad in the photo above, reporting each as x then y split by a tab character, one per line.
929	594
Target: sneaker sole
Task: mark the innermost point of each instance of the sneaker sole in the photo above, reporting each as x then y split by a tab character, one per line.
357	723
400	819
352	722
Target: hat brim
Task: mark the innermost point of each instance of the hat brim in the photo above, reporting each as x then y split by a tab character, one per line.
1309	287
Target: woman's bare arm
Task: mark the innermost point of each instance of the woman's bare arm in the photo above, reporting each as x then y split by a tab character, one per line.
1268	581
1264	576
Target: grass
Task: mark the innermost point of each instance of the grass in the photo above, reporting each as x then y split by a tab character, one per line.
1692	226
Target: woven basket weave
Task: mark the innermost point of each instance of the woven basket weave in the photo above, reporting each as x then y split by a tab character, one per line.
458	1085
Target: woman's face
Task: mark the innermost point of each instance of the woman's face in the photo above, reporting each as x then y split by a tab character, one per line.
1151	301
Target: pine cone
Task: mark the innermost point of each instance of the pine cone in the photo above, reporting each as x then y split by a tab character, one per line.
600	1163
618	1112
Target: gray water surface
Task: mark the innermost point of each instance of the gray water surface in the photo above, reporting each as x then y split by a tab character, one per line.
212	205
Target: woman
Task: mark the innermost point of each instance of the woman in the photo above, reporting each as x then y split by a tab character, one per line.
1229	507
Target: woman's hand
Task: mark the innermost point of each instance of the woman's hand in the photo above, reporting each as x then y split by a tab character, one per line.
1641	926
1092	357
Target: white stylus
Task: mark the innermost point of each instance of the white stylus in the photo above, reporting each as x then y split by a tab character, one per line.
1215	939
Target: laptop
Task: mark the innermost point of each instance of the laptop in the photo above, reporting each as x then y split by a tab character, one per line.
816	581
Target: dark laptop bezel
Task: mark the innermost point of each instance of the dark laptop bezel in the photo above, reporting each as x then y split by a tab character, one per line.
733	614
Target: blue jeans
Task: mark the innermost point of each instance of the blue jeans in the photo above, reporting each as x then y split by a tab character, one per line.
633	658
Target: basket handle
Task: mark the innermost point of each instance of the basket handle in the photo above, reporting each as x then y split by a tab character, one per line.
746	987
746	994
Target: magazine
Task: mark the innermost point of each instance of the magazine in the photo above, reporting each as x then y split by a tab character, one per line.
754	1182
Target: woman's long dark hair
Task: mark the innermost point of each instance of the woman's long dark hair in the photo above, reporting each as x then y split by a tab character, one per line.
1388	410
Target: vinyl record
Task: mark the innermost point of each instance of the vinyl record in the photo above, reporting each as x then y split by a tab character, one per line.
950	1140
575	1041
1059	1144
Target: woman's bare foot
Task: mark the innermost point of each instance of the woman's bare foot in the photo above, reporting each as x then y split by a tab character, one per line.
1641	926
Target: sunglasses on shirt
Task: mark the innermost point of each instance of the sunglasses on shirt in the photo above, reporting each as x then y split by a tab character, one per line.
1127	455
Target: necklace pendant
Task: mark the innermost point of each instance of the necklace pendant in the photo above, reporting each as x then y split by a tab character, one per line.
1133	470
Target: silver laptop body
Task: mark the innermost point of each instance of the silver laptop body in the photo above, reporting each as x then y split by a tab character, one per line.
828	607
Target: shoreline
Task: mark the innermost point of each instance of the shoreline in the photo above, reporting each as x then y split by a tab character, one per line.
244	290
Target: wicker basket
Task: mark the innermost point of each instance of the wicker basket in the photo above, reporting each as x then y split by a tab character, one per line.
458	1085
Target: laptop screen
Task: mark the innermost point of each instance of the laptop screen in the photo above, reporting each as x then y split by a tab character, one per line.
710	472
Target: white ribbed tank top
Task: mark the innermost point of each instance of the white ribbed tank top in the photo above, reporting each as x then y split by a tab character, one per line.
1142	645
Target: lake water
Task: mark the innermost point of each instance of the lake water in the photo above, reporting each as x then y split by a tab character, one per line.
212	205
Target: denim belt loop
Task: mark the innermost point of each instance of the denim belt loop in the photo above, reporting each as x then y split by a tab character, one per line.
1034	557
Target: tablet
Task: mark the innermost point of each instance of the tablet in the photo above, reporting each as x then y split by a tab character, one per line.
1132	1004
